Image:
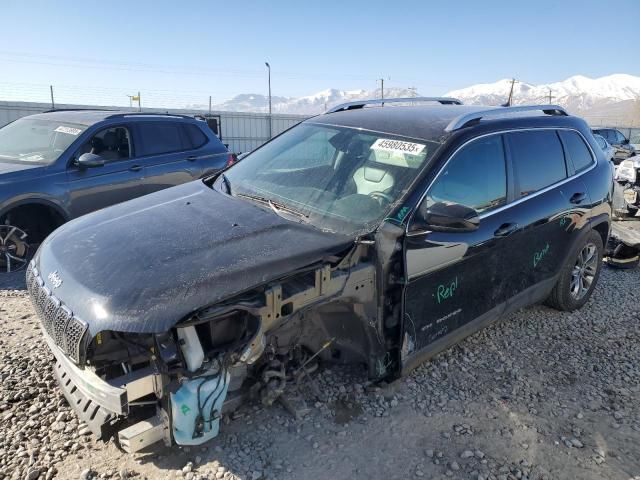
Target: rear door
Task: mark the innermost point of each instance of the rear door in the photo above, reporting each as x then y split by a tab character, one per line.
166	153
121	178
453	278
550	206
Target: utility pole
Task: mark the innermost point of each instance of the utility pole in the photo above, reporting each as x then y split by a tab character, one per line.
53	105
382	88
550	96
510	99
139	102
270	118
209	105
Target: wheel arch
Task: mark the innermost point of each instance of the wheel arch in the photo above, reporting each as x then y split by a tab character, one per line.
602	225
39	215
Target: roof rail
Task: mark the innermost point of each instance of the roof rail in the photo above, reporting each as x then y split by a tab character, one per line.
379	101
148	114
79	110
467	118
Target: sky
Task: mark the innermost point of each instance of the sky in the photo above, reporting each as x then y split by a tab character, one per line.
189	50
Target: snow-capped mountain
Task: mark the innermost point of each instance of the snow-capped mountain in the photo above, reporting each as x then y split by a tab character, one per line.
614	98
594	98
308	105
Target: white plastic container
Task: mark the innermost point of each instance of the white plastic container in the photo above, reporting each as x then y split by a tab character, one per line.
184	409
191	348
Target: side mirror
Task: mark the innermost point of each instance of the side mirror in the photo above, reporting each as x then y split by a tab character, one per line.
625	141
90	160
443	217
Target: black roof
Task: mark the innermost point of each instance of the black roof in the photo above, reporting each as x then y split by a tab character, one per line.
429	122
425	122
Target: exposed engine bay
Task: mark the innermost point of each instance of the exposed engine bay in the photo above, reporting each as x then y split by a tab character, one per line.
252	347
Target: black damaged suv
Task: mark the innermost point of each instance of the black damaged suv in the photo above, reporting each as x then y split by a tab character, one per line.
367	235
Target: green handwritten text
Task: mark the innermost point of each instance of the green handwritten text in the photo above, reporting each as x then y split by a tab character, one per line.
444	292
402	213
538	256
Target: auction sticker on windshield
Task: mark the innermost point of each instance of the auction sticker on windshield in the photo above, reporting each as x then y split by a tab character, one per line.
69	130
397	146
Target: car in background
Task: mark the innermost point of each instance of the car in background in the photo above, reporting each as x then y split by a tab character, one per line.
609	151
59	165
618	141
369	235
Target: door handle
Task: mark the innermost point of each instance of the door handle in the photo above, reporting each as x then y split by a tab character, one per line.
135	168
192	158
578	197
505	230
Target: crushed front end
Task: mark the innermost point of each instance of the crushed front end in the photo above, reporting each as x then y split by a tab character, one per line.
173	386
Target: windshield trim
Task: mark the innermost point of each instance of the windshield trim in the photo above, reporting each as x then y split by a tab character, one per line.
362	129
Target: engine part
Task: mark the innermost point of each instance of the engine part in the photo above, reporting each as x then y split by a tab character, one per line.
142	434
196	408
274	379
191	348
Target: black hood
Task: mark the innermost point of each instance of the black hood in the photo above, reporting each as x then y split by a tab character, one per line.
143	265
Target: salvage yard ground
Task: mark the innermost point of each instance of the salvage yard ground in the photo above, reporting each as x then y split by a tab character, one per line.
542	394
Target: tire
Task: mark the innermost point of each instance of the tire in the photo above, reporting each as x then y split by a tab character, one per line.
631	212
571	291
14	249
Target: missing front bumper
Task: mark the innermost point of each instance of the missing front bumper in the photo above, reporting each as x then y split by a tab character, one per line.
97	402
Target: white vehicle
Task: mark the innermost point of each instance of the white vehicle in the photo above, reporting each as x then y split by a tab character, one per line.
627	176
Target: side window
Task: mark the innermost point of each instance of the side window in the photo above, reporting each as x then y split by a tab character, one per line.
538	160
195	136
160	137
475	177
112	144
600	141
577	150
620	138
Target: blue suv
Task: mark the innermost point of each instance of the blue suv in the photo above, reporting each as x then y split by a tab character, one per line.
59	165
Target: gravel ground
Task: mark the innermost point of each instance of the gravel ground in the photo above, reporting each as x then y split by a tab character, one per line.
541	394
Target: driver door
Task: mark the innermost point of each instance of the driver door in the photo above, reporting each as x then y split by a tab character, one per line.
454	278
119	179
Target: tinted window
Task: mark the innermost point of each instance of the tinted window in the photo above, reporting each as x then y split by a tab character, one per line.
194	135
601	141
577	150
606	134
112	144
160	137
620	138
538	159
475	176
610	136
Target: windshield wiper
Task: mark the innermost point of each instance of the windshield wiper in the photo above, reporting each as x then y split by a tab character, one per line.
277	207
227	183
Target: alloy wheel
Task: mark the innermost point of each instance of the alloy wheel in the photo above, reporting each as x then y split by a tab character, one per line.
14	248
584	271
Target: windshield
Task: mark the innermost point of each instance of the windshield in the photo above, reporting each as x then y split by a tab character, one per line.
31	140
339	179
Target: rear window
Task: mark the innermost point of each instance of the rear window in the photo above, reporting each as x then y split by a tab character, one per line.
577	150
161	137
195	136
538	160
